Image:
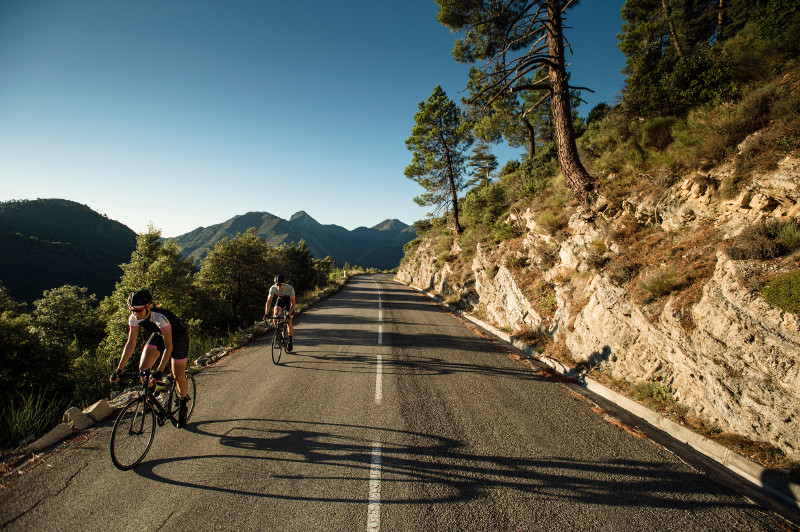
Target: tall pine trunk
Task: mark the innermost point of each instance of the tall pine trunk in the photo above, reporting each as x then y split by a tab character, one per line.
578	179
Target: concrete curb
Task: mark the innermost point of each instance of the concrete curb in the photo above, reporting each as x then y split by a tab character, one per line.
775	483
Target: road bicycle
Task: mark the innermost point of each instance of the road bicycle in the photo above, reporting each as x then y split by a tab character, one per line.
280	338
135	426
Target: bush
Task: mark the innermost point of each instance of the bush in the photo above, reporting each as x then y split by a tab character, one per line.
27	416
657	133
653	393
766	240
784	292
661	284
549	223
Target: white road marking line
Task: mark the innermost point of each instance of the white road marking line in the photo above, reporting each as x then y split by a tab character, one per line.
379	381
374	507
374	503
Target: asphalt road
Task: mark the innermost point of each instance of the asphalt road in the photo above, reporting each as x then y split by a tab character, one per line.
390	414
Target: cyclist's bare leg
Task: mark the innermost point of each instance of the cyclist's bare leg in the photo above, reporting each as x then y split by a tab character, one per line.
179	372
150	354
291	325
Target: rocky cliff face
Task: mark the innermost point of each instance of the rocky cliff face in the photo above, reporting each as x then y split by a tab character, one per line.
726	354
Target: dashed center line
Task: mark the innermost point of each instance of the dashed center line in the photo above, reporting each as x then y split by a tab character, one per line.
374	501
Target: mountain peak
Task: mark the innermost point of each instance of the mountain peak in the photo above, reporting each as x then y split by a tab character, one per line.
390	225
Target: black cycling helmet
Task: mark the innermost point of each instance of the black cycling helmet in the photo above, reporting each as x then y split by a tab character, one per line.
140	298
280	279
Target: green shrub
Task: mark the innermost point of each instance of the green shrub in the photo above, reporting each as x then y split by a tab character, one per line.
657	133
784	292
549	222
789	235
653	393
29	416
763	241
661	284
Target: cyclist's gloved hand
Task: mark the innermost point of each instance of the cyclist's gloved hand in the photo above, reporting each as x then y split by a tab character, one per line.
114	376
158	375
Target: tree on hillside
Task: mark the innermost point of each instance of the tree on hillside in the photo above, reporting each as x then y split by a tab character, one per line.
673	51
483	163
239	271
65	315
515	39
158	266
439	142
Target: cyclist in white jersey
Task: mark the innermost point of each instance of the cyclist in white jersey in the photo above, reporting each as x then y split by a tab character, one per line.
169	338
283	294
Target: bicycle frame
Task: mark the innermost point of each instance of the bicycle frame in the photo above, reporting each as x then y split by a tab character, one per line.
147	393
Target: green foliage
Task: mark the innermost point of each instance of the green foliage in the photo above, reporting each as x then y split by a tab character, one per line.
653	393
65	315
439	141
50	242
238	272
779	22
597	113
549	222
657	132
28	415
511	167
784	292
484	204
158	266
661	283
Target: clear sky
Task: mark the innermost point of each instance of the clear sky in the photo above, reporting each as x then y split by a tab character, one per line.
185	113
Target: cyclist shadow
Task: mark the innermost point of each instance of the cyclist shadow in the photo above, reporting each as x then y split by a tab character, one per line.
332	455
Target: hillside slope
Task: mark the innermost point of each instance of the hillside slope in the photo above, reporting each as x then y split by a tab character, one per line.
47	243
646	293
379	247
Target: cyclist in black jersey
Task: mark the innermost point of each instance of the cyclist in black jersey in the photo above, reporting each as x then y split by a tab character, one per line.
169	338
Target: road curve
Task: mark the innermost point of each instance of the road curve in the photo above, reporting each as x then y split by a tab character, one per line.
390	414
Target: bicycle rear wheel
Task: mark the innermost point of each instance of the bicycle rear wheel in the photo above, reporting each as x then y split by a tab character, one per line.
277	344
133	434
174	400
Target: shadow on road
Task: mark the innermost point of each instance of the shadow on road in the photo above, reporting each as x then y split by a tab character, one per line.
333	454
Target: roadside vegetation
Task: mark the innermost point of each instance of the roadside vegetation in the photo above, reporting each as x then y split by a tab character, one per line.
62	352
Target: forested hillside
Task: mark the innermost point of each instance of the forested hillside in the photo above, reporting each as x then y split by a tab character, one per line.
47	243
379	247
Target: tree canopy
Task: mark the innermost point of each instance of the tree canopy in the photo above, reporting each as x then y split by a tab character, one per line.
439	142
516	41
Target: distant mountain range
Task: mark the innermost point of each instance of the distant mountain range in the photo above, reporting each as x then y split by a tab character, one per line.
47	243
379	247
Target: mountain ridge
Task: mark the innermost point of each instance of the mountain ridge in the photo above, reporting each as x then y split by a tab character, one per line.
48	243
379	246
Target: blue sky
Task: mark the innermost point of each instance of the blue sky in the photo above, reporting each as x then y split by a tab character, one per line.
185	113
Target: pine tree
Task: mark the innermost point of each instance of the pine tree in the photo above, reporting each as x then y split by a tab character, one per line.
516	39
439	142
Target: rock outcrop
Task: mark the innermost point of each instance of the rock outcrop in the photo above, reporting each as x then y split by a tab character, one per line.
738	363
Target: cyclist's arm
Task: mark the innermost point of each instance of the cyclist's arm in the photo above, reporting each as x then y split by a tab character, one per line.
267	306
130	345
291	305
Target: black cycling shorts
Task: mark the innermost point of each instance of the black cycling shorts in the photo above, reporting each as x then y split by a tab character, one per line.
283	302
180	345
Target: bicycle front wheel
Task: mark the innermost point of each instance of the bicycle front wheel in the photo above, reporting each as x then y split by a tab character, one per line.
277	344
174	400
133	434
